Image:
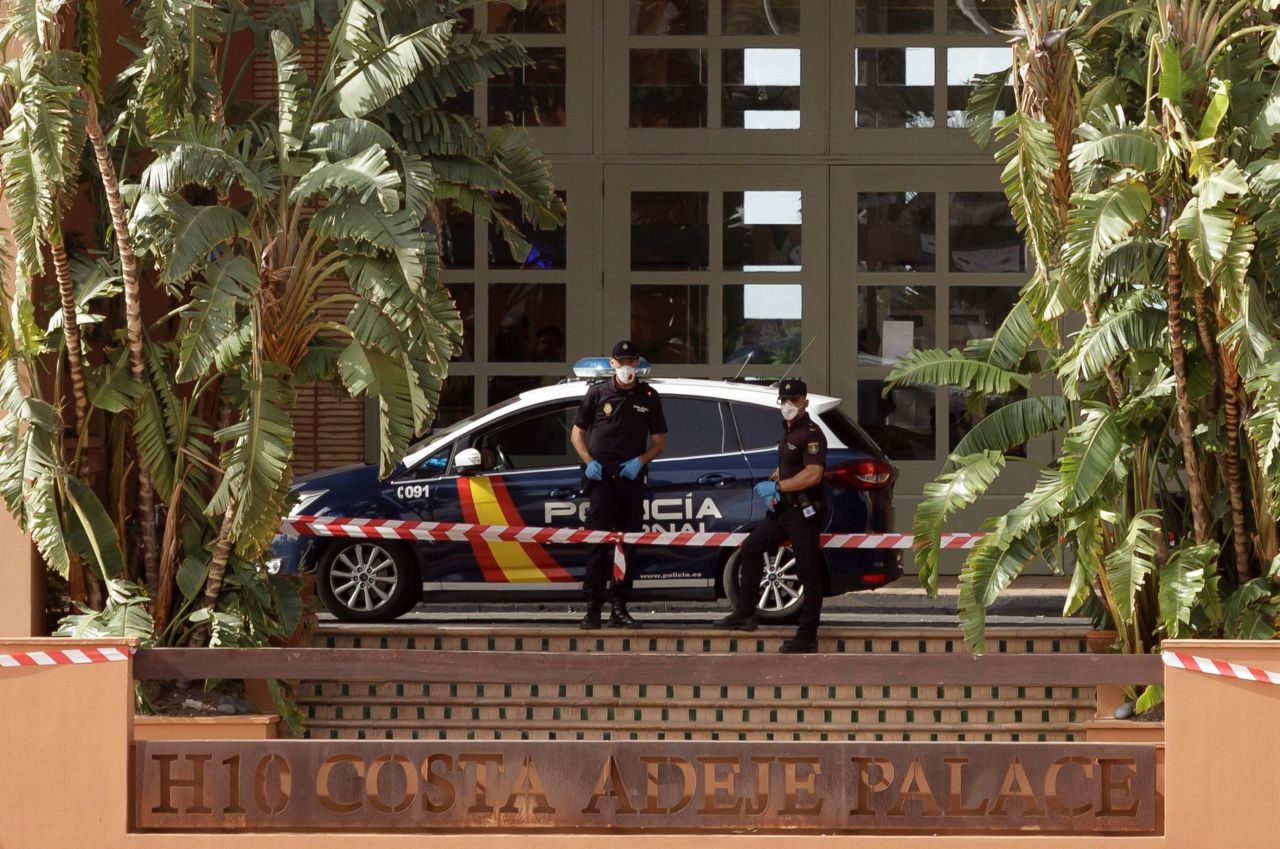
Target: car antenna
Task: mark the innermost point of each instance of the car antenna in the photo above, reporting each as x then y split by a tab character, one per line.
797	359
750	354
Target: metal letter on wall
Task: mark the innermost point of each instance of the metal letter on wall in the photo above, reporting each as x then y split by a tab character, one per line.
333	785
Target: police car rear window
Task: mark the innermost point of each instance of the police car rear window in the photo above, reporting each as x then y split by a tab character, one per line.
849	433
696	427
758	426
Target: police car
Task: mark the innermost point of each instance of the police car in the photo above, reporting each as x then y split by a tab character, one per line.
513	464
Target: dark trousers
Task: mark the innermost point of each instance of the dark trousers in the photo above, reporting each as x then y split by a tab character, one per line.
617	504
768	535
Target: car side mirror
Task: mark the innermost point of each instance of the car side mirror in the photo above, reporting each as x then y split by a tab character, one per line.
467	461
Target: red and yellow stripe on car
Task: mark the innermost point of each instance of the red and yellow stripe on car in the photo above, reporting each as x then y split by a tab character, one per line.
485	501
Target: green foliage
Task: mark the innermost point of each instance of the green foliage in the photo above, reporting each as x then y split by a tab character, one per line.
1173	166
280	243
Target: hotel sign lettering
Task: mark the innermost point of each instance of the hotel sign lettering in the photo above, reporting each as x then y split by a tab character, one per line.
638	785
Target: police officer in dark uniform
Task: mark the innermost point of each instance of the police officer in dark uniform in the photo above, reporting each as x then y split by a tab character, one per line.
795	512
626	427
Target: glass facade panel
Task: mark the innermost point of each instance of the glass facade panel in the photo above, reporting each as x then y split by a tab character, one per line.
456	400
457	238
903	423
761	89
893	87
893	321
670	231
976	311
760	17
980	16
893	17
502	387
668	88
464	295
538	16
668	17
896	231
547	248
531	96
526	322
762	323
963	63
669	323
762	231
983	235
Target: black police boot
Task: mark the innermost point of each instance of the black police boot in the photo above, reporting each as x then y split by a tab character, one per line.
620	618
799	645
591	621
737	621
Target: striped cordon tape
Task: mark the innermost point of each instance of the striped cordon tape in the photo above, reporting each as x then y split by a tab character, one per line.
63	657
1208	666
342	526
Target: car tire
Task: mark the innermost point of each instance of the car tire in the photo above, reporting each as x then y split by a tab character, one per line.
781	593
363	580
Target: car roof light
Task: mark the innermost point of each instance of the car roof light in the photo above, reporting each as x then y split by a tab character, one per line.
598	368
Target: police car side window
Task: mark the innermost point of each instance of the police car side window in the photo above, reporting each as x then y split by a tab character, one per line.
531	439
758	426
696	426
434	465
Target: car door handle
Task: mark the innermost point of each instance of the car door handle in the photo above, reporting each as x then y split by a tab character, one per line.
716	479
564	492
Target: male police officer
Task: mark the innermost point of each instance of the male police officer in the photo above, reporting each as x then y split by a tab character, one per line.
627	430
795	512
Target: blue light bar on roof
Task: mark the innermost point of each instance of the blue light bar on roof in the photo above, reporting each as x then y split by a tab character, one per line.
598	368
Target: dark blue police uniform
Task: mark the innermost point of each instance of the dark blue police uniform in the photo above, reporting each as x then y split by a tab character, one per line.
619	422
796	516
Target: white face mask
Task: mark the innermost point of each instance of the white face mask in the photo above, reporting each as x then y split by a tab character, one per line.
790	411
625	374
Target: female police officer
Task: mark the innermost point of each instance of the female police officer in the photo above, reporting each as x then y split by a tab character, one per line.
795	512
627	430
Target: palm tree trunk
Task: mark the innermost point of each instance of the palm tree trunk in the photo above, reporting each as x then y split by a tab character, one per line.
70	330
1239	534
171	548
1195	487
217	572
133	321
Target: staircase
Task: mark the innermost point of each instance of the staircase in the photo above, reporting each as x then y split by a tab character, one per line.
568	711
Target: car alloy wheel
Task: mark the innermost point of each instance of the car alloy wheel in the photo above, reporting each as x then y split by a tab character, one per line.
780	589
363	577
368	581
781	593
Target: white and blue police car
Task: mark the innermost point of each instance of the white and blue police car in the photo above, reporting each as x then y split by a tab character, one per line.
513	464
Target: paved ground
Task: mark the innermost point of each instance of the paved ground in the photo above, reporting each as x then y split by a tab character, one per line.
1034	601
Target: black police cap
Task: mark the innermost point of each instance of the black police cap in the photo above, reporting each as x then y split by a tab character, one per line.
792	387
625	348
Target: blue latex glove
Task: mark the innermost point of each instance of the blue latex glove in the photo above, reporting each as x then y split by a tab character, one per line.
768	490
595	471
631	469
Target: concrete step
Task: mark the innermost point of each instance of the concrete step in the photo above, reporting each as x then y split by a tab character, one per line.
578	711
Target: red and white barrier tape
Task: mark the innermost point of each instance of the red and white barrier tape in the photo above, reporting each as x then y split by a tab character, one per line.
63	657
349	528
1209	666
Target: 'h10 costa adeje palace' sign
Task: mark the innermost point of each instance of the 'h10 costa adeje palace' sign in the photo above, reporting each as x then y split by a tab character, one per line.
638	785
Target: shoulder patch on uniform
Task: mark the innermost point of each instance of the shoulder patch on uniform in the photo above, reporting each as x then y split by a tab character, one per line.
814	447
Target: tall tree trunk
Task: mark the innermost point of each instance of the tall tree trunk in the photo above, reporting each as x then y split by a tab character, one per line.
70	330
133	321
1195	487
217	572
1239	533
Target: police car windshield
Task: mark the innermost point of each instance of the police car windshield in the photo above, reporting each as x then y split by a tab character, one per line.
433	434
